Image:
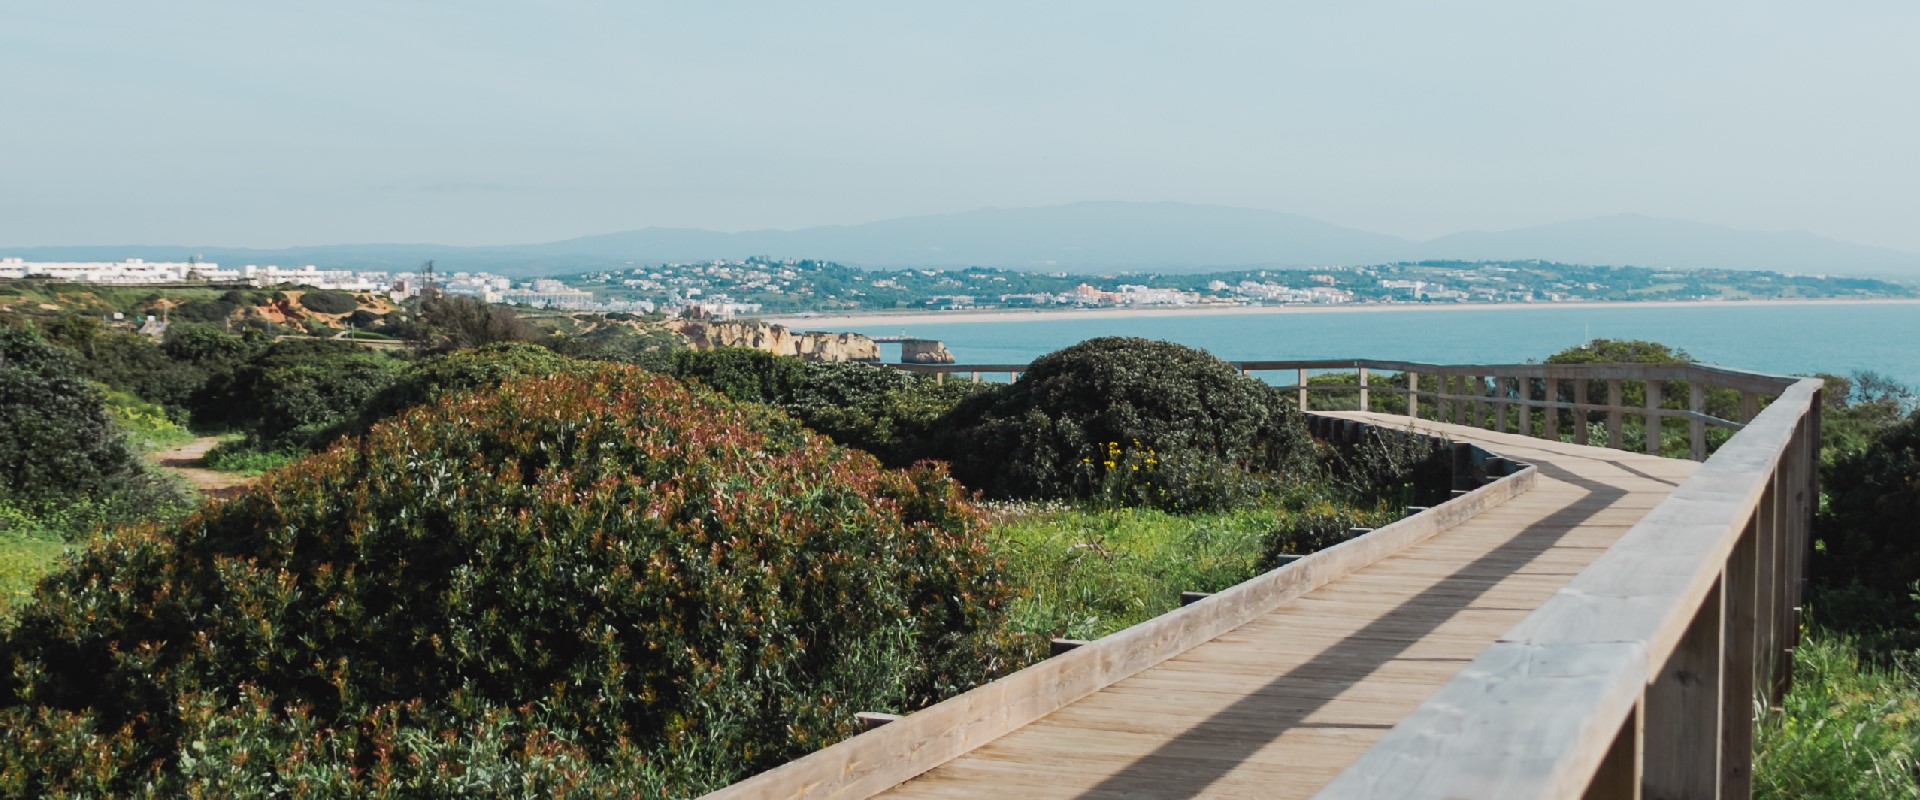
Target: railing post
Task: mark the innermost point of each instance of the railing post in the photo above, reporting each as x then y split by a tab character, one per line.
1364	406
1413	397
1770	608
1579	410
1684	710
1553	409
1653	417
1742	603
1697	427
1616	400
1303	388
1618	777
1749	406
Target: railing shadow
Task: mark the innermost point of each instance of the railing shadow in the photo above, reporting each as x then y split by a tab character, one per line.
1200	756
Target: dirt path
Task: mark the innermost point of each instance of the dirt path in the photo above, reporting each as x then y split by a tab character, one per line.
184	460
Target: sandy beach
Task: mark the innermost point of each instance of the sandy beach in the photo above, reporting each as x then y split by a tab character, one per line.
912	317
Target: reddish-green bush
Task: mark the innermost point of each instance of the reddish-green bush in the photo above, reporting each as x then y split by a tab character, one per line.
607	579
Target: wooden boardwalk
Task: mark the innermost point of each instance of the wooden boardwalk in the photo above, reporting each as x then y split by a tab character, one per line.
1278	706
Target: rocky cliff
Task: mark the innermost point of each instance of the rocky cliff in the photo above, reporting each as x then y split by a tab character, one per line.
777	339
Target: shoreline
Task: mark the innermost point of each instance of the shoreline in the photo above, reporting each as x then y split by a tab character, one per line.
918	317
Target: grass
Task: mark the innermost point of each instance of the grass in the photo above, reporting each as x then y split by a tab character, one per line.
1090	572
24	559
1846	730
237	456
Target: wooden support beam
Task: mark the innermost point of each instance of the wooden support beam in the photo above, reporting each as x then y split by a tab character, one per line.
1736	734
1413	395
1618	777
1553	409
1302	383
1749	406
1365	401
1684	710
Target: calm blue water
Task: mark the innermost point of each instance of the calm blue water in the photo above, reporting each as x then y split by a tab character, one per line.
1839	338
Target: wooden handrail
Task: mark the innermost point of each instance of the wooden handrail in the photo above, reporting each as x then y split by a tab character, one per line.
1639	677
1468	407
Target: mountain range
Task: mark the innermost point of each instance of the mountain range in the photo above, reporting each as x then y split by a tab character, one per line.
1090	237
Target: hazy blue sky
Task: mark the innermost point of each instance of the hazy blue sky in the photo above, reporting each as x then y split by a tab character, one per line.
266	124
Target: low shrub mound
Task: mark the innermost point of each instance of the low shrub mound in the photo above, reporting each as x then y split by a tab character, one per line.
329	302
601	583
295	392
1194	423
59	443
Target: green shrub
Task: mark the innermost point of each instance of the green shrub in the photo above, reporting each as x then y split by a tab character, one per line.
605	582
329	302
884	411
57	440
1867	546
743	373
1029	438
296	391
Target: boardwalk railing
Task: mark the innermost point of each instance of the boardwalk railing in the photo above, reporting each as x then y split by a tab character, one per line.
1528	399
904	747
1640	677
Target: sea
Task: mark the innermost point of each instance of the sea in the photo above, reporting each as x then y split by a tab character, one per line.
1783	339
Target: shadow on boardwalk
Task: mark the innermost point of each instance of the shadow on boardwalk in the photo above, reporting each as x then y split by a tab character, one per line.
1239	731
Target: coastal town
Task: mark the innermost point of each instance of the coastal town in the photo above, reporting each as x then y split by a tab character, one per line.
726	289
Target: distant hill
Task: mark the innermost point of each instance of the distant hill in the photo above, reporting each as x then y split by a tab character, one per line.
1093	237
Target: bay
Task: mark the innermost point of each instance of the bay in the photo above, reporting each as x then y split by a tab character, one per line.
1787	339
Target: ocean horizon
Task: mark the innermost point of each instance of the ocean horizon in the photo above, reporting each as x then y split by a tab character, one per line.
1776	338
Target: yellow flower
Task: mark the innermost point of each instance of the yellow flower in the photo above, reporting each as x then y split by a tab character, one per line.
1108	463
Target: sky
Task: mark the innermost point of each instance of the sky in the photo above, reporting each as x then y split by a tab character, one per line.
276	124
